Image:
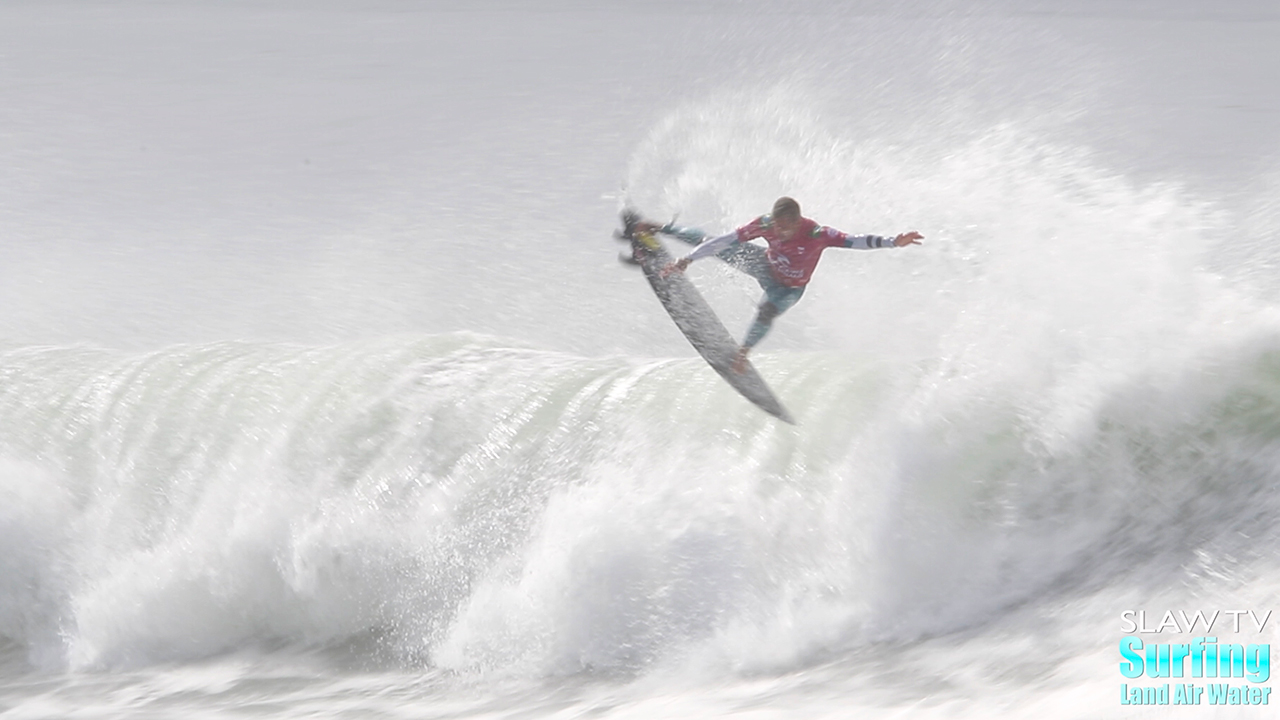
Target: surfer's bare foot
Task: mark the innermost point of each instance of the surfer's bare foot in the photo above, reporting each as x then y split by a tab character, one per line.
739	365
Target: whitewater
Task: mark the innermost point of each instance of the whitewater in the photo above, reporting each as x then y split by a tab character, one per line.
323	394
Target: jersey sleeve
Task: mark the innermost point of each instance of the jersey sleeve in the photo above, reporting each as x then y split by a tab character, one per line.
835	238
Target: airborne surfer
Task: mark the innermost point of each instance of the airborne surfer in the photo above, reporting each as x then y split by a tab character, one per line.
795	243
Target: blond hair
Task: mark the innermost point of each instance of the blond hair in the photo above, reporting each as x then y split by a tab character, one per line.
786	207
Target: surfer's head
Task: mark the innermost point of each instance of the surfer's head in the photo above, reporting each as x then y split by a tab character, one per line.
786	216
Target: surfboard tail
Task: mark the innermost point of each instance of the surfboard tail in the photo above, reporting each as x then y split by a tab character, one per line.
629	219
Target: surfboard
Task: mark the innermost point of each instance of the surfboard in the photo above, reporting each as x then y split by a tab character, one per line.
697	321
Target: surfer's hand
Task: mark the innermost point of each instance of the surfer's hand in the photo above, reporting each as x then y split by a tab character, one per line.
908	238
677	266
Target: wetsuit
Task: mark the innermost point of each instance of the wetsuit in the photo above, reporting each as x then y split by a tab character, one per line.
783	269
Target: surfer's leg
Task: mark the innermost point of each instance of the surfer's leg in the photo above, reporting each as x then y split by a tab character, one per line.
777	300
750	259
688	236
774	304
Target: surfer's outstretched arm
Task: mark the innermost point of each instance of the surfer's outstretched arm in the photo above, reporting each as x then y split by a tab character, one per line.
871	242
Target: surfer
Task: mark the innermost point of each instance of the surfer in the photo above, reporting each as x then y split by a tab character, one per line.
795	243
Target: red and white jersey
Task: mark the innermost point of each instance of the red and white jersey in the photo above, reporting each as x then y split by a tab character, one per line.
793	261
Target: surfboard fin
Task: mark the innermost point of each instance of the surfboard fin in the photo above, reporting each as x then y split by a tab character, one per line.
629	219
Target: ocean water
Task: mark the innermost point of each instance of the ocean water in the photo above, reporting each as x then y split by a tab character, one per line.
323	394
